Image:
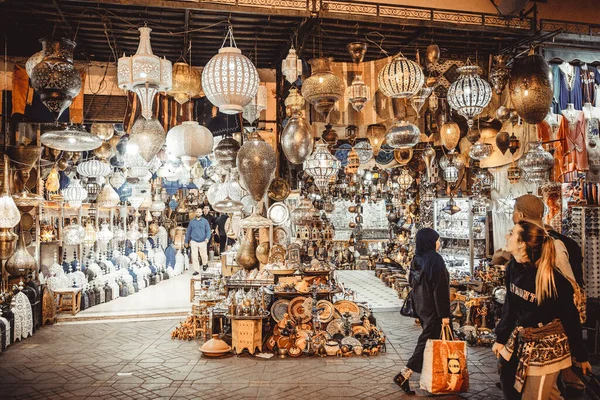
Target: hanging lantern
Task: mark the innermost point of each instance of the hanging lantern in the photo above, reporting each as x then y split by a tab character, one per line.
499	74
93	189
352	162
137	167
294	102
376	134
258	104
402	135
226	152
107	198
105	131
149	137
429	156
451	208
400	78
480	151
190	139
469	94
74	193
358	93
321	166
144	73
21	262
104	235
323	89
529	88
9	213
419	99
55	78
503	114
73	234
536	163
432	54
186	83
405	180
503	141
70	139
33	61
513	173
297	139
450	173
450	135
484	176
329	135
229	79
90	235
473	135
93	169
357	51
291	67
53	181
513	144
256	163
103	153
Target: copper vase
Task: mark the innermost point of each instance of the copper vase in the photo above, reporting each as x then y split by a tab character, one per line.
246	255
256	161
21	262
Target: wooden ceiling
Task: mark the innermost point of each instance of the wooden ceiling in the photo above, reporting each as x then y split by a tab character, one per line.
105	29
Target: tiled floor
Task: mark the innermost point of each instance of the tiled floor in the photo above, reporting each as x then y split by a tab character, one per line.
370	289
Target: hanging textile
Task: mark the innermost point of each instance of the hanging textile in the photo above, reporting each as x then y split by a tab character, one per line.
23	317
572	77
588	77
576	158
545	134
561	92
20	90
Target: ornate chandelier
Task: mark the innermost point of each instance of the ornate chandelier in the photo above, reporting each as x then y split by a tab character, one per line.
291	67
400	78
321	166
358	93
74	193
469	94
258	104
186	83
229	79
536	163
323	88
144	73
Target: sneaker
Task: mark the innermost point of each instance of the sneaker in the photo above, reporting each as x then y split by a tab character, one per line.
195	273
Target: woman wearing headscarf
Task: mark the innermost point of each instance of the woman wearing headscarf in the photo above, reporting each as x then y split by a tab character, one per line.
429	280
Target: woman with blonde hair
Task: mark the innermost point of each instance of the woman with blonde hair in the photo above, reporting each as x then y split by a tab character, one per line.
540	328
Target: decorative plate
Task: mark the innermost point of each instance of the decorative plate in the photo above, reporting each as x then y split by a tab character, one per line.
279	189
343	306
386	155
279	308
364	310
342	153
296	310
280	236
328	311
336	326
278	213
403	156
351	341
364	151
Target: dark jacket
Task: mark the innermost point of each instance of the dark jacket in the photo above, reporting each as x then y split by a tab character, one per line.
429	278
521	308
575	255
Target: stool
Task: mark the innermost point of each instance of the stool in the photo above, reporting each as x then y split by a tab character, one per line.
68	300
193	290
201	325
246	334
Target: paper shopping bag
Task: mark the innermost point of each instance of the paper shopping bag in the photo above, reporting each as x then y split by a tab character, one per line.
445	365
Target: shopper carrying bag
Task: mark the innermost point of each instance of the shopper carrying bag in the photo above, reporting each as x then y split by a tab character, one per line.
445	365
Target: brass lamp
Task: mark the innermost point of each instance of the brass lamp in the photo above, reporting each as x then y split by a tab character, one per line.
9	217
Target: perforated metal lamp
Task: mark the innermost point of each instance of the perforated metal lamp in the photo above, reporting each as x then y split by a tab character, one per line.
321	166
469	94
400	78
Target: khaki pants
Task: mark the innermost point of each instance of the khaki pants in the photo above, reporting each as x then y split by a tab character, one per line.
201	247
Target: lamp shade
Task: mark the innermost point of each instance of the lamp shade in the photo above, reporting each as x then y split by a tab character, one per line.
323	88
74	193
104	235
229	79
256	161
529	88
402	135
469	94
321	166
148	135
294	102
93	169
450	135
187	82
536	163
297	139
108	197
291	66
358	93
189	139
258	104
480	150
400	78
376	136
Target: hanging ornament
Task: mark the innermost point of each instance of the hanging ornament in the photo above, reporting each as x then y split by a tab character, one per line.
258	104
323	89
376	134
480	150
21	262
357	51
451	208
450	135
297	140
148	135
187	83
93	169
358	93
189	140
432	54
499	74
53	181
256	161
55	78
473	135
503	141
514	144
229	79
291	67
144	73
513	173
536	163
402	135
529	87
294	102
400	78
321	166
469	94
451	172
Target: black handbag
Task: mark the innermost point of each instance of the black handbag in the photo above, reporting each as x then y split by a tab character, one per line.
408	309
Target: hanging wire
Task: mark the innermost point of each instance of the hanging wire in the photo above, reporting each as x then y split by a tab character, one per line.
379	45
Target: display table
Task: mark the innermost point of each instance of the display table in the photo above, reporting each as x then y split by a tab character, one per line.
68	299
246	333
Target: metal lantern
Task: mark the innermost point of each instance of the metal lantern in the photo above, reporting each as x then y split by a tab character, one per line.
513	173
148	135
484	176
450	173
258	104
469	94
104	235
480	151
108	197
352	162
321	166
294	102
451	208
297	139
514	144
256	162
189	140
402	135
400	78
376	134
225	153
187	83
450	135
229	79
323	88
499	74
358	93
291	67
74	193
529	88
93	169
536	163
503	141
144	73
70	139
405	180
357	51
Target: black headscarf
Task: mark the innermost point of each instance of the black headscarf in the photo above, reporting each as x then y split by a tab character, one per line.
426	241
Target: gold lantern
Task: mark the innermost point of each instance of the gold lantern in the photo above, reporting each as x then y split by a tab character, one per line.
186	83
376	134
450	135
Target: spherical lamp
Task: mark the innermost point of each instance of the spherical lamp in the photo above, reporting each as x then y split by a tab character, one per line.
190	139
469	94
400	78
450	135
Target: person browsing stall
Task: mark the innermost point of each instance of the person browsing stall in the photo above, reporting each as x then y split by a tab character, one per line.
197	236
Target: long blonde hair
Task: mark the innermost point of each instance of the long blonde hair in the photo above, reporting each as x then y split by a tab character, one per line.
542	253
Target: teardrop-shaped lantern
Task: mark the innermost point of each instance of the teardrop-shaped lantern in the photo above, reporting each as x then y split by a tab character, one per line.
21	262
256	161
529	88
450	135
503	141
376	135
297	140
148	135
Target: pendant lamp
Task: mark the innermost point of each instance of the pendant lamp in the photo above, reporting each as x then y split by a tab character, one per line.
148	135
400	78
358	93
70	139
323	88
469	94
74	193
144	73
187	83
291	67
450	135
190	139
321	166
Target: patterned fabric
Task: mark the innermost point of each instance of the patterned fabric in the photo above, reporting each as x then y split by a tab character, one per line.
541	351
588	79
23	316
